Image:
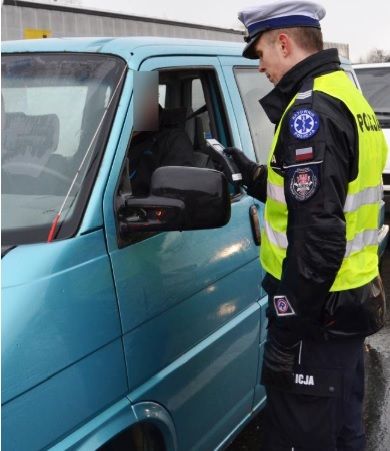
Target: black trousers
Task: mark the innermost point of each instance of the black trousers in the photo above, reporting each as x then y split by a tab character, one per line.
323	409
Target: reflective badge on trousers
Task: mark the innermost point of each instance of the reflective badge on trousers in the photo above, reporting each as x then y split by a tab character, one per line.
304	183
283	306
304	123
317	382
304	379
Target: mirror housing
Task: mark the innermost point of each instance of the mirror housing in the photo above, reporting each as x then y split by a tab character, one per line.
181	198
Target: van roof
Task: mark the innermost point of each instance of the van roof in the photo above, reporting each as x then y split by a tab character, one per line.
129	48
133	49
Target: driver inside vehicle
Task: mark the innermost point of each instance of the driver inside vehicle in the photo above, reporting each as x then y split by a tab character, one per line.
169	145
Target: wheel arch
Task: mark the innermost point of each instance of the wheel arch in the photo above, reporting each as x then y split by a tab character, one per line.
153	430
118	420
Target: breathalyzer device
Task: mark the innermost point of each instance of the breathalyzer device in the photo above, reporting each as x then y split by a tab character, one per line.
230	169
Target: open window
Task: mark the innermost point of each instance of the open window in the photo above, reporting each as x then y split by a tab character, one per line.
191	110
194	96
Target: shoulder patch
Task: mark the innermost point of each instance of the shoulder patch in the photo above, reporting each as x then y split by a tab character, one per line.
303	182
304	123
282	306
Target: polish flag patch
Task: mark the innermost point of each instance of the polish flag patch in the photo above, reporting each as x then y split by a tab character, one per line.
304	154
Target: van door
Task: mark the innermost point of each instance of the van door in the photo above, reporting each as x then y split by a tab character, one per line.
188	301
246	86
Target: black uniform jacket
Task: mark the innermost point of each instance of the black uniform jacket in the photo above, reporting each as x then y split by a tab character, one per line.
323	164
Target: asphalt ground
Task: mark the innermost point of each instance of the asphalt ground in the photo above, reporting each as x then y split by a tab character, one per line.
377	401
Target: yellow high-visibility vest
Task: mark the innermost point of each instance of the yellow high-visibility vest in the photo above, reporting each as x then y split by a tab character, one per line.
364	194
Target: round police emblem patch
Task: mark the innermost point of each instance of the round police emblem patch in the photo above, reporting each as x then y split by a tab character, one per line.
304	123
303	183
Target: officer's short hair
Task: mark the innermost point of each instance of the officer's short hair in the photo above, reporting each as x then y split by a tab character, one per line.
307	38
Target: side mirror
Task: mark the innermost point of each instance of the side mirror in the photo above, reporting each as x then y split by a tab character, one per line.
181	198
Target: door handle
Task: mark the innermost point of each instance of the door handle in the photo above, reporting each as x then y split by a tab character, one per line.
255	223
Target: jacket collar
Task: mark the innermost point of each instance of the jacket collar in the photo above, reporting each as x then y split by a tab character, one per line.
275	102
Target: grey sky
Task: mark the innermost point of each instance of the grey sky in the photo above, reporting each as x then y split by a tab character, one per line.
364	24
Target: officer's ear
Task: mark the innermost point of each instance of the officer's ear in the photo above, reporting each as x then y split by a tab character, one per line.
285	44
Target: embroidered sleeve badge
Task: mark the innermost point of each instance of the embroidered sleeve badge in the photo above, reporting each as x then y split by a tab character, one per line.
304	123
304	183
282	306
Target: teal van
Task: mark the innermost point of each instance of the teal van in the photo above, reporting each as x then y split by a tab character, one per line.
128	323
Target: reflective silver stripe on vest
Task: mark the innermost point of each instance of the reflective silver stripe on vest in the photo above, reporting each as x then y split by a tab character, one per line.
304	95
361	240
275	192
367	196
277	238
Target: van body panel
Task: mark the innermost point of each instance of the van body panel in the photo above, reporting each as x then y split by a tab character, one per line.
175	290
162	273
132	49
101	428
199	380
186	323
53	311
43	414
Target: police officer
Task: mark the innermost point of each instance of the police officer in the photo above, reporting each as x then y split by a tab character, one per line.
322	188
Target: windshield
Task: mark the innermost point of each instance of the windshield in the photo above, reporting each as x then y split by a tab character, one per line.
56	112
375	83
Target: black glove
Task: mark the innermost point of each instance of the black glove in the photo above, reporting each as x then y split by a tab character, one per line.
248	168
279	361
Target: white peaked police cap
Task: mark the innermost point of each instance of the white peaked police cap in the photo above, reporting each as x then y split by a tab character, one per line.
278	14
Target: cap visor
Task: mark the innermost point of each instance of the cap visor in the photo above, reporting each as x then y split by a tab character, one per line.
249	50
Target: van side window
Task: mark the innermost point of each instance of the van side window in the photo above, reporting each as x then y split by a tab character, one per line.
197	92
191	109
252	87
